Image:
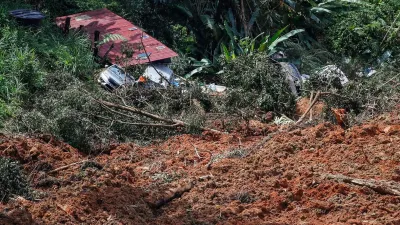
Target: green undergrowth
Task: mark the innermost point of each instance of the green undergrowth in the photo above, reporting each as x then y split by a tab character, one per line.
28	55
12	180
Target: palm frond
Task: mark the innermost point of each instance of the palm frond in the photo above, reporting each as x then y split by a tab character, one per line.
253	18
283	38
111	37
185	10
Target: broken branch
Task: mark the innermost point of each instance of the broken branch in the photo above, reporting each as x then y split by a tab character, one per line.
67	166
176	123
382	187
168	126
309	108
150	62
311	100
171	195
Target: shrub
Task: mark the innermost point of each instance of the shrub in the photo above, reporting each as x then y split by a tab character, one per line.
12	180
365	32
362	97
27	55
257	82
67	110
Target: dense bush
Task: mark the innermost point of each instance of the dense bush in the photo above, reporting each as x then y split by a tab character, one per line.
12	180
369	96
257	82
366	32
20	72
362	97
67	109
27	55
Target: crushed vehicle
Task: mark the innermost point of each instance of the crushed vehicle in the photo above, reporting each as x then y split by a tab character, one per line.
113	77
159	75
155	75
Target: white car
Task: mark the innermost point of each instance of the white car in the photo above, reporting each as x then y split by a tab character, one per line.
159	75
113	77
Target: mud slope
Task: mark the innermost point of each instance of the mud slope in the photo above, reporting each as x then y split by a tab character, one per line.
224	179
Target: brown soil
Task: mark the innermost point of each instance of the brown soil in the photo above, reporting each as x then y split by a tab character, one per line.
215	179
303	104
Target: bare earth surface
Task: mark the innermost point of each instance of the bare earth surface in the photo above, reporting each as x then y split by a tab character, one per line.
215	179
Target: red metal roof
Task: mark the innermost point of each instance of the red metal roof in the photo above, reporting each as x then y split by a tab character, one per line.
106	22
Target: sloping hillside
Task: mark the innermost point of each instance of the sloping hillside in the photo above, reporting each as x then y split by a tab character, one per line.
292	178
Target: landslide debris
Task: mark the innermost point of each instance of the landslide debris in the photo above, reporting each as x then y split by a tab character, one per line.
284	181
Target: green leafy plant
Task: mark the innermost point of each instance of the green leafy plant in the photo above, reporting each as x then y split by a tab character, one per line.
12	180
255	81
203	66
366	32
247	46
111	38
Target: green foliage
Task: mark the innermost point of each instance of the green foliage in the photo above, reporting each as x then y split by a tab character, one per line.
308	61
12	180
367	97
256	82
248	46
366	32
362	97
64	111
67	110
111	38
46	83
27	55
20	72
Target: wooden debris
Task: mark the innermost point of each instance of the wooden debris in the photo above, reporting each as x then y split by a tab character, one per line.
170	122
171	195
314	101
381	187
67	166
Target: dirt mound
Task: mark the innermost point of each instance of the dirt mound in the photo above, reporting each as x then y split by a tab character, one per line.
216	179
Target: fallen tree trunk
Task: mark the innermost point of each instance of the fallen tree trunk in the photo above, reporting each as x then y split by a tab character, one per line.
382	187
174	122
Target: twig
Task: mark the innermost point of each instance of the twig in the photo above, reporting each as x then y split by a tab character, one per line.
381	187
195	150
208	165
391	79
309	108
391	26
311	100
171	126
67	166
263	142
177	123
150	62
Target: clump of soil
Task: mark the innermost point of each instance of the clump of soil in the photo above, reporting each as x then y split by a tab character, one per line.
215	179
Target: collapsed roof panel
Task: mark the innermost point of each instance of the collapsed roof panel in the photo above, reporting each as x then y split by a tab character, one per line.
107	22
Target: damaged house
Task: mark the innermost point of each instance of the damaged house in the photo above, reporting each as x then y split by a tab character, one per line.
146	49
